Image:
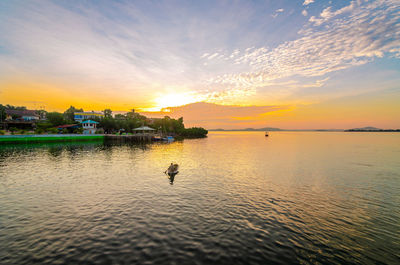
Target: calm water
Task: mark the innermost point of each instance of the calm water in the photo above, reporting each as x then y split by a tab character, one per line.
240	198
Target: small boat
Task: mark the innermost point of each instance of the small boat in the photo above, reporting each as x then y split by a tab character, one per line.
266	134
157	138
172	169
168	139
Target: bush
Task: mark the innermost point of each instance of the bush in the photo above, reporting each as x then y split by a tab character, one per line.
39	131
194	132
43	125
2	132
21	131
100	131
78	131
64	131
12	130
52	130
55	118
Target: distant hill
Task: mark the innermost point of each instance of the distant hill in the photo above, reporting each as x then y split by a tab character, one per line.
263	129
372	129
271	129
249	129
366	129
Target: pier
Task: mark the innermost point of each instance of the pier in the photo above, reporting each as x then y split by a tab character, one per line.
41	138
138	138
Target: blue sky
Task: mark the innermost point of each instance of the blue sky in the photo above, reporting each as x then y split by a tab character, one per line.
160	54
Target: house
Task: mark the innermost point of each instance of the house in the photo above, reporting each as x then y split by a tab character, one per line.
81	116
22	115
89	126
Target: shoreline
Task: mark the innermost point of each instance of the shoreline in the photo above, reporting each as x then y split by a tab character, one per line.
47	138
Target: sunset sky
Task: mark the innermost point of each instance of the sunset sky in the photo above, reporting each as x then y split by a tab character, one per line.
296	64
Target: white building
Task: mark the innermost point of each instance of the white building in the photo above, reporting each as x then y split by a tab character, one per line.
81	116
89	126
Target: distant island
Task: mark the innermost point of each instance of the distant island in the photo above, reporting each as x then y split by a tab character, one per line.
249	129
371	129
271	129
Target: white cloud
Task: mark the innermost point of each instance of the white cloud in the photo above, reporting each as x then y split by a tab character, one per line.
304	12
280	10
307	2
213	56
114	47
327	13
234	53
89	48
140	56
368	32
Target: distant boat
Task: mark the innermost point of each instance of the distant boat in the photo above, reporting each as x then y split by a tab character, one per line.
266	134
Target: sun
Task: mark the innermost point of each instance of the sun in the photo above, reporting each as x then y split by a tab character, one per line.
175	99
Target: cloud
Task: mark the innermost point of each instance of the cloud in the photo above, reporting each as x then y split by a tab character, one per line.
280	10
84	45
234	53
212	56
304	12
327	13
307	2
131	48
368	32
140	49
212	115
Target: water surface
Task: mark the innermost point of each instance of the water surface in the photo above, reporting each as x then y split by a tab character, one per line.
240	198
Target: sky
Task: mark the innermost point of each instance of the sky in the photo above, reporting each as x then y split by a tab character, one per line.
296	64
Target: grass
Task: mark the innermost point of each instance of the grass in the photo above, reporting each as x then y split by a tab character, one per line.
48	138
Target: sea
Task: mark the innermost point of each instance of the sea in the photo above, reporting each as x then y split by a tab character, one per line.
239	198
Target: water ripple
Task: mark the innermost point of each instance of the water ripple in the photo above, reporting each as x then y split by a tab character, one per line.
284	201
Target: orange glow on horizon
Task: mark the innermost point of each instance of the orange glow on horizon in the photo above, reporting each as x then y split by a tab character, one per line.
381	111
58	97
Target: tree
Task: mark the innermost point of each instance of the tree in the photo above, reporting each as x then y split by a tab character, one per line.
10	107
177	125
194	132
132	114
69	113
120	117
108	124
55	118
107	113
2	113
42	113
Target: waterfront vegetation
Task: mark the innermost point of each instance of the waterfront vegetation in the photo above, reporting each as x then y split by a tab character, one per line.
194	132
109	124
